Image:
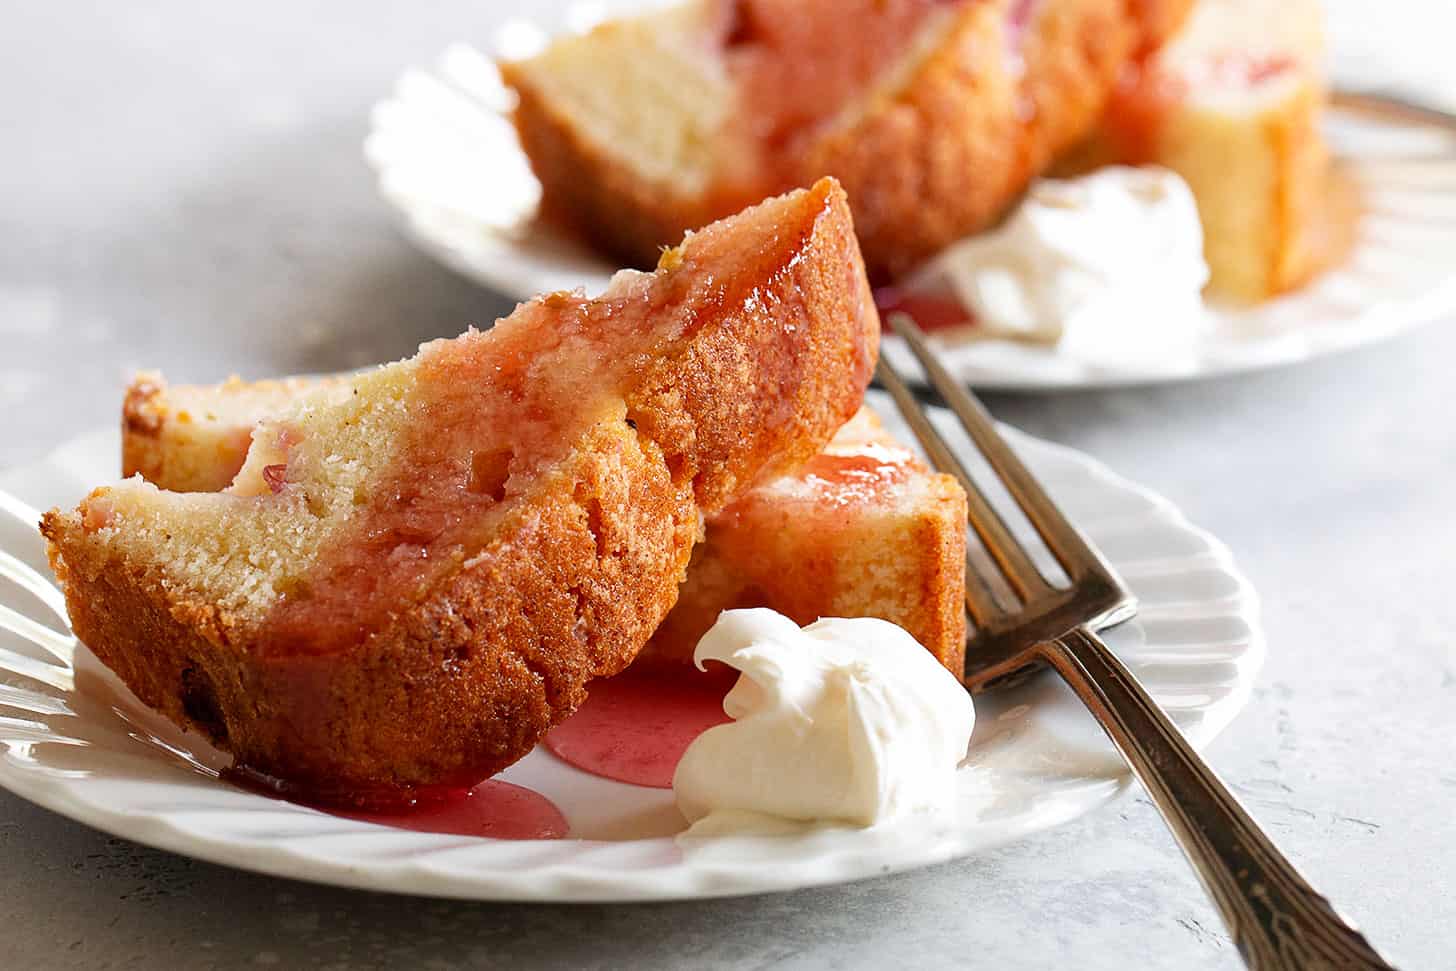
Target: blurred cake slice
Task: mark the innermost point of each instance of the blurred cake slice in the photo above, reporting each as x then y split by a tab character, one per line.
411	579
935	114
863	529
1232	104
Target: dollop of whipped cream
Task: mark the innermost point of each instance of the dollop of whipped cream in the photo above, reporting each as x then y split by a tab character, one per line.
843	721
1108	266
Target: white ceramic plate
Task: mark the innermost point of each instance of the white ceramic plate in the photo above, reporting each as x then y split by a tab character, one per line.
448	161
74	740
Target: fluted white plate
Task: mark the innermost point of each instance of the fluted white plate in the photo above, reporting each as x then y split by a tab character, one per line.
74	740
448	161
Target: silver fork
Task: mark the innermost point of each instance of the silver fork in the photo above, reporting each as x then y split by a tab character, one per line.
1392	107
1275	917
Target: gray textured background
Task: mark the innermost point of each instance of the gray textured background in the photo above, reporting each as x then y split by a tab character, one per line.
181	187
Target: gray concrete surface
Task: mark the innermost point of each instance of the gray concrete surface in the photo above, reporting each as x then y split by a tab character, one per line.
181	187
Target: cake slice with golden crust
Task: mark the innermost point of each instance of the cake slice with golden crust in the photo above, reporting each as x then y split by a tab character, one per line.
863	529
935	115
1232	104
407	585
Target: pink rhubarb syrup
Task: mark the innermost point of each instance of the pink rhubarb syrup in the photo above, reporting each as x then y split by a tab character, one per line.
635	727
493	808
931	313
632	728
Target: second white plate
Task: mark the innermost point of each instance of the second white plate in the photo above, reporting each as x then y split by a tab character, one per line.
449	162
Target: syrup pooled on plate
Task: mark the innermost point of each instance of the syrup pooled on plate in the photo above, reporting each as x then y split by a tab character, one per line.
635	727
494	809
929	312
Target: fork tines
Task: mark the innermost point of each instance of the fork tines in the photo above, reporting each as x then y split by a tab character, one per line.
1095	595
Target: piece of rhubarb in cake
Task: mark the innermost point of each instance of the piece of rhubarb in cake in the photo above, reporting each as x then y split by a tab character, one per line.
809	544
863	529
409	583
1232	104
935	114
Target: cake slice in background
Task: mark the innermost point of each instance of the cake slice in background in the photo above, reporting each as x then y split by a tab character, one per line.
935	115
412	579
1232	103
863	529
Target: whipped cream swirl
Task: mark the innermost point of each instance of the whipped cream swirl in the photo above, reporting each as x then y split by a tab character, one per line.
844	721
1108	266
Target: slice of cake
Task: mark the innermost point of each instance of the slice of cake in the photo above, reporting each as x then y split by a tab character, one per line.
1232	104
863	530
935	115
408	584
193	438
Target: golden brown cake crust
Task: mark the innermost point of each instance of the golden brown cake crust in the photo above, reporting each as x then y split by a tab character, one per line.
938	156
464	681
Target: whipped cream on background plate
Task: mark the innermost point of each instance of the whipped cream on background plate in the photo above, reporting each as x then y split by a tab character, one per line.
1108	266
846	721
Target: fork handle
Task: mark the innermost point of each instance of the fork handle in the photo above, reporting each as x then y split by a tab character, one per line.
1276	919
